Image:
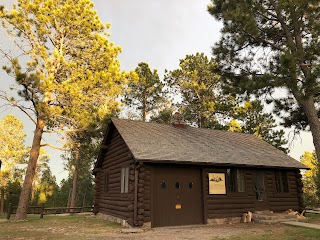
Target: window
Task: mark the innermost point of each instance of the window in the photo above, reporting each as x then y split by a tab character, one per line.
240	180
235	180
281	181
124	179
106	182
231	180
163	184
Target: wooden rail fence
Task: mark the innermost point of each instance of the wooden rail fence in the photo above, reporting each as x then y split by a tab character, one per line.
42	210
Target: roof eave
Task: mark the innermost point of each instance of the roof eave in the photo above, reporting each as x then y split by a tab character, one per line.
217	164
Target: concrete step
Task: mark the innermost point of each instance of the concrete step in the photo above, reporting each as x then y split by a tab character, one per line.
301	224
273	221
263	212
272	216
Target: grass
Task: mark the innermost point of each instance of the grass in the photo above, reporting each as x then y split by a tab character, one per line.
315	217
288	233
75	227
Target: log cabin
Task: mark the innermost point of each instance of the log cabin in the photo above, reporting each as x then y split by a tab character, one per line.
165	175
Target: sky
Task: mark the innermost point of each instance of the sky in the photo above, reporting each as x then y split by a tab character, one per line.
157	32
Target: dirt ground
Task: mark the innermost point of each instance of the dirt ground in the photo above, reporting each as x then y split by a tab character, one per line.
89	227
201	232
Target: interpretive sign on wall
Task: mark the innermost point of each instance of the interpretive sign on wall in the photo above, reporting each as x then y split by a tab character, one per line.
217	183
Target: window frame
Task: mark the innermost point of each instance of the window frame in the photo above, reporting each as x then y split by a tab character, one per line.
280	182
235	179
124	179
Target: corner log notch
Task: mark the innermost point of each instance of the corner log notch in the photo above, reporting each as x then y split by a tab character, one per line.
300	190
136	194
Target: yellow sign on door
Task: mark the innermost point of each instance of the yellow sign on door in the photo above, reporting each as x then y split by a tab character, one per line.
178	206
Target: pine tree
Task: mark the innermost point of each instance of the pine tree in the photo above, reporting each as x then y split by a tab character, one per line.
146	92
200	87
267	45
250	118
12	150
72	76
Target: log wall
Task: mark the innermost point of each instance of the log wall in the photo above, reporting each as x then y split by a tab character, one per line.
280	202
230	204
114	202
235	204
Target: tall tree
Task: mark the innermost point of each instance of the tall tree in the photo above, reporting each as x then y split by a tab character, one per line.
12	150
200	89
250	118
45	187
42	167
271	44
84	148
146	92
164	116
71	76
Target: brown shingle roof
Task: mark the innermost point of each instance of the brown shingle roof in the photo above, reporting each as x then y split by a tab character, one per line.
165	143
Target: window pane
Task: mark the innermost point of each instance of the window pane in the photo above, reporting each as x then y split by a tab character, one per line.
177	184
163	184
240	180
126	186
277	182
284	182
122	179
125	180
231	180
190	185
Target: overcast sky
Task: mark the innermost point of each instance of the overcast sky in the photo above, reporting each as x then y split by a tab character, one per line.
157	32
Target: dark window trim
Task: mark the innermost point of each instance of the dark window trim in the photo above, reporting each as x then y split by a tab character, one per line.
280	187
236	193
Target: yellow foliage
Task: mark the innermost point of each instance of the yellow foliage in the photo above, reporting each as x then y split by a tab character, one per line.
309	159
234	126
74	66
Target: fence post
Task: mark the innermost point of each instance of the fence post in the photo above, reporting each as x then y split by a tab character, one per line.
42	210
9	211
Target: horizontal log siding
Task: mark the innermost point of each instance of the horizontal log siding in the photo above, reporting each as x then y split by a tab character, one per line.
231	204
280	202
114	202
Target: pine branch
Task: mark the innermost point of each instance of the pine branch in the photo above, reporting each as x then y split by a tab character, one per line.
55	147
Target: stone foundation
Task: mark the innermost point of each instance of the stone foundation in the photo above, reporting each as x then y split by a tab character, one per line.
229	220
146	225
110	218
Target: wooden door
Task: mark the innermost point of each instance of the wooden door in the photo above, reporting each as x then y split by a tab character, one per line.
260	189
177	196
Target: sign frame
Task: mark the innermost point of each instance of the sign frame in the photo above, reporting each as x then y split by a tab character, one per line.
217	183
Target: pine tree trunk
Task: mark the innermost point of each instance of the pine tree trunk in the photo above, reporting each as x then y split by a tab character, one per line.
33	188
3	182
314	123
2	201
31	169
75	179
69	197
